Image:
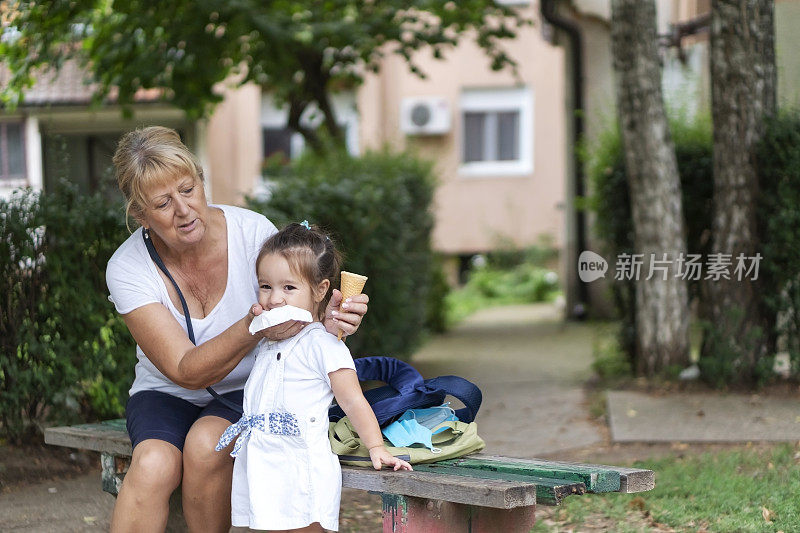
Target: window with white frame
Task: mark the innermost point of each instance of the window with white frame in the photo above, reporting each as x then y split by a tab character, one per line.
497	131
12	152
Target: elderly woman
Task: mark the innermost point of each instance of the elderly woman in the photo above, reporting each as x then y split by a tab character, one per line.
210	253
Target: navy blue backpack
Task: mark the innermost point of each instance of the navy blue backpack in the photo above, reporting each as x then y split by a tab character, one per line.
406	389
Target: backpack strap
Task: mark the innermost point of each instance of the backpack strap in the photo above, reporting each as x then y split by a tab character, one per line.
467	392
403	377
151	249
407	389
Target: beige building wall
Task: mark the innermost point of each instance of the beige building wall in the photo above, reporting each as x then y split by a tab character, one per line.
475	213
230	147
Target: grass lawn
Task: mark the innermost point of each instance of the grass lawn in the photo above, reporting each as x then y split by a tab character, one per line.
752	488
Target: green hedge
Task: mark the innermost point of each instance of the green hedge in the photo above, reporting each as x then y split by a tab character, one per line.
778	157
66	354
377	209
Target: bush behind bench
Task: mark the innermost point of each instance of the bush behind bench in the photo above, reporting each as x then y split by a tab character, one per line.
66	354
378	210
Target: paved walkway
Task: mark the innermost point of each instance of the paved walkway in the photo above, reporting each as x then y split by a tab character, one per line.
530	367
707	417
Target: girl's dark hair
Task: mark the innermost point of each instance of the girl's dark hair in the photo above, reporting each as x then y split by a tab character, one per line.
310	254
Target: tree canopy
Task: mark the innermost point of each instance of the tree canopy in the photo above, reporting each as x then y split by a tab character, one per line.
300	50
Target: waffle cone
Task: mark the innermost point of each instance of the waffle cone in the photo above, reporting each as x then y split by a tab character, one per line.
351	285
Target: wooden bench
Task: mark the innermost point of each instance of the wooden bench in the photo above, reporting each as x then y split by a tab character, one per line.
477	493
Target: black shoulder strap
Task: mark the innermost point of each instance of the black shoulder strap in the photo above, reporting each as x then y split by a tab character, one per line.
151	249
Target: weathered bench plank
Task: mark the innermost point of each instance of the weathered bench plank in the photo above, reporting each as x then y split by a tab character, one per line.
595	479
549	491
107	437
631	479
498	494
110	439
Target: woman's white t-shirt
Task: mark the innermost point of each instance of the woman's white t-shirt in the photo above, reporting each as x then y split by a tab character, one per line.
134	281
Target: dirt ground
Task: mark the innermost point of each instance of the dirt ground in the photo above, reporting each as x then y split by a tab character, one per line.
22	466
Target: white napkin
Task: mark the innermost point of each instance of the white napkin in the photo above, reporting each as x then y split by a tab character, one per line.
279	315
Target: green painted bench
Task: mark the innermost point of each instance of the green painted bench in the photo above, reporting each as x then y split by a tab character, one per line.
477	493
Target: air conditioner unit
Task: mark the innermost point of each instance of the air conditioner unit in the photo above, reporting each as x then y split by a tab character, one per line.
425	115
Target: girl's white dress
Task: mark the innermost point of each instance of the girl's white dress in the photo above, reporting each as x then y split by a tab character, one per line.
285	475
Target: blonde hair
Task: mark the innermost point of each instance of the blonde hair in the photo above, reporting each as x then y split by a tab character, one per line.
148	157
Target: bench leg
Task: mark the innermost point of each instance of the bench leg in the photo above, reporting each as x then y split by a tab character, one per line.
404	514
114	468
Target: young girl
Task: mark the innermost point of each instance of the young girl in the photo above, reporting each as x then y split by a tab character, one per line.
285	475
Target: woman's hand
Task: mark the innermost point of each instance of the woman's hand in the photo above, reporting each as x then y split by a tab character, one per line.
278	332
347	315
380	456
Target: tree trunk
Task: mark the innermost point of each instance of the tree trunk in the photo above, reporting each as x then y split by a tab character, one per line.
314	88
296	108
662	310
743	81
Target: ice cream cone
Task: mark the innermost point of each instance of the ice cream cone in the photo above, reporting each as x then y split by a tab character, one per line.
352	284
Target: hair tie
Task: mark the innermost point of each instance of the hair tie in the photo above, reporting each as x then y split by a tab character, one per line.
305	224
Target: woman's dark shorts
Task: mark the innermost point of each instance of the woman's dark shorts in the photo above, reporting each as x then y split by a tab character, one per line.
158	415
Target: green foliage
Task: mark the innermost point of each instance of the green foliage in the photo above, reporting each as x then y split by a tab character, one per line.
525	283
65	352
728	491
778	158
436	310
301	50
610	362
508	255
725	364
489	286
377	209
778	216
614	223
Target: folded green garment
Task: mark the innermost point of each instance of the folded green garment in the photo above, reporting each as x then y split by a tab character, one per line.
456	439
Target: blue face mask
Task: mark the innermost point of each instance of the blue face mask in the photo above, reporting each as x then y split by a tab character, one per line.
416	425
431	417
